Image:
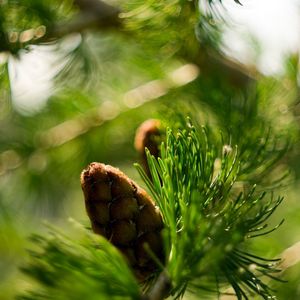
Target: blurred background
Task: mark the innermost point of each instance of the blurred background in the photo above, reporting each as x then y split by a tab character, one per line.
71	97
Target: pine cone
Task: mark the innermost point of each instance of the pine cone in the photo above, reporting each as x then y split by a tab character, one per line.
123	213
148	136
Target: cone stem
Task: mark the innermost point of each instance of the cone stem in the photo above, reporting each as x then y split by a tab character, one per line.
160	290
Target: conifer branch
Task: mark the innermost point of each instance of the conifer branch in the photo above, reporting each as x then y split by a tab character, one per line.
199	207
188	194
93	14
98	15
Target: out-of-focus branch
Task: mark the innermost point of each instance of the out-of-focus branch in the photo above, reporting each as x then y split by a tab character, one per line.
152	90
92	14
289	257
235	73
96	14
101	16
108	110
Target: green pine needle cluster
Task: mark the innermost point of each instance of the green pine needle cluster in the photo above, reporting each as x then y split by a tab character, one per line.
209	214
87	266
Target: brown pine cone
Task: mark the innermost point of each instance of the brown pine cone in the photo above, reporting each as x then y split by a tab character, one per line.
125	214
148	136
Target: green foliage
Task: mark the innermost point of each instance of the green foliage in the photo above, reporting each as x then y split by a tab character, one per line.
86	266
24	22
214	195
147	19
208	217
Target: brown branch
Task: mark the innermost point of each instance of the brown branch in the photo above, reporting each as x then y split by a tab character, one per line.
215	64
96	14
160	290
92	14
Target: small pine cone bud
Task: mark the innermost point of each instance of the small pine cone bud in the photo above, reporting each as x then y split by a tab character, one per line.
125	214
148	136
